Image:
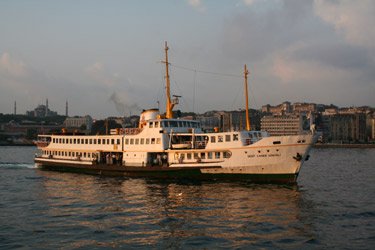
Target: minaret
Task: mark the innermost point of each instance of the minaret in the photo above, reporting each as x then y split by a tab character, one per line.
15	107
46	107
66	108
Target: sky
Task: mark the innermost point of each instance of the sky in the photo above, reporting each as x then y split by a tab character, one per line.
104	56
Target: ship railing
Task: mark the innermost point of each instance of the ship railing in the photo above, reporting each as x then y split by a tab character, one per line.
132	131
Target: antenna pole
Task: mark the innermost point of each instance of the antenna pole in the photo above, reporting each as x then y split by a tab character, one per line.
169	105
246	72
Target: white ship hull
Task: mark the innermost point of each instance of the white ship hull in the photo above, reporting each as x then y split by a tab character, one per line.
262	161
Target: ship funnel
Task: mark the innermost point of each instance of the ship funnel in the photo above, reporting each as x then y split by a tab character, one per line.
147	115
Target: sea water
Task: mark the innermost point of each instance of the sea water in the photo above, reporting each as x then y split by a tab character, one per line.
331	206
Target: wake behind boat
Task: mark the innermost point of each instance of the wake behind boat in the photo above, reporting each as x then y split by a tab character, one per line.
165	147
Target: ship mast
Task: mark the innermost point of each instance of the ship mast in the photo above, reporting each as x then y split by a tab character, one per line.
246	72
169	104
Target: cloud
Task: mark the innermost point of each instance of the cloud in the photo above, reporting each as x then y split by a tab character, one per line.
196	4
103	76
352	19
12	67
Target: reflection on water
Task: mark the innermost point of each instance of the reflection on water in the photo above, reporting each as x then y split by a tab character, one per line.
115	212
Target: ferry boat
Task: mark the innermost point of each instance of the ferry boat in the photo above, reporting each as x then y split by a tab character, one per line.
165	147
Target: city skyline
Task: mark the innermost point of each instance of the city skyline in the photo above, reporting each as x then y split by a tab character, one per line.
103	57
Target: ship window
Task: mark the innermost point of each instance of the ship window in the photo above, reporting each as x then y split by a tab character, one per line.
213	139
126	141
217	155
151	124
82	141
94	141
63	141
132	141
227	137
99	141
235	137
112	141
107	141
209	155
118	141
90	141
277	142
147	140
86	141
152	140
188	156
203	155
103	141
74	141
84	154
88	155
220	138
137	141
70	153
195	155
142	140
250	135
156	124
78	141
157	140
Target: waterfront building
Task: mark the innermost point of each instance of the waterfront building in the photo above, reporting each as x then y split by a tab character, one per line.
300	107
283	108
78	122
348	128
291	124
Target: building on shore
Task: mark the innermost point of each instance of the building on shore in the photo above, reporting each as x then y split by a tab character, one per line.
83	123
348	128
287	124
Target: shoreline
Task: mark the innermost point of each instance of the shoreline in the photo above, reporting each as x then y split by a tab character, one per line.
337	145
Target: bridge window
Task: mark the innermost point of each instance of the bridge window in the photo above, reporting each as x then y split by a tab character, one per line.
152	140
151	124
227	137
142	140
213	139
220	138
209	155
203	155
132	141
147	140
156	124
112	141
235	137
126	141
137	141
